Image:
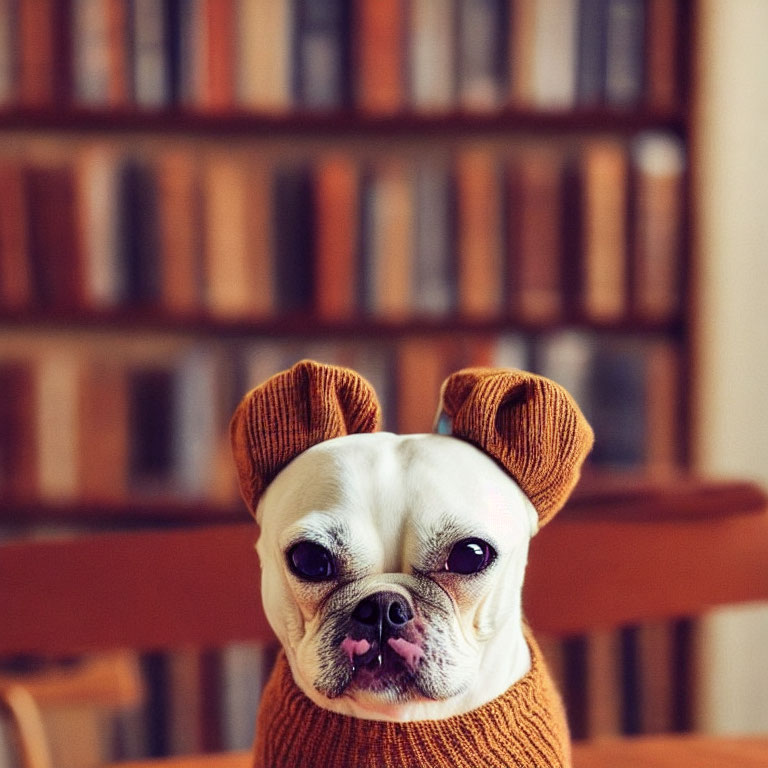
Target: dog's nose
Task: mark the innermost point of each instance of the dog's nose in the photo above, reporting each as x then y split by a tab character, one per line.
387	609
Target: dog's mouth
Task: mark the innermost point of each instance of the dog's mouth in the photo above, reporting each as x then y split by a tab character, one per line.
387	667
383	665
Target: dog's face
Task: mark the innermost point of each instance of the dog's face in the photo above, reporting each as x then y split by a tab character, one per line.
392	565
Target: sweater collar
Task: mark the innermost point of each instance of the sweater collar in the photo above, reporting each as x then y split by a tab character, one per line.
524	726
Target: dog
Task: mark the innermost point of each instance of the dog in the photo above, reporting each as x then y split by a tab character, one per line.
393	565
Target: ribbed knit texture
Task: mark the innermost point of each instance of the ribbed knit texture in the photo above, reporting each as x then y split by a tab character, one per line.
529	424
524	727
293	411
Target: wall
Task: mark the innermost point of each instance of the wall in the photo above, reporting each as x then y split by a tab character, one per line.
732	336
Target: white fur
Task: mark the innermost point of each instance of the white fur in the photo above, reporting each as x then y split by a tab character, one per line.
391	494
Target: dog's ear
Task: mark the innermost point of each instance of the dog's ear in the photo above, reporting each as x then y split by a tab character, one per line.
293	411
528	423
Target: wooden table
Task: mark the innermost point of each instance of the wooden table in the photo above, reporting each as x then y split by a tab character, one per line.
650	752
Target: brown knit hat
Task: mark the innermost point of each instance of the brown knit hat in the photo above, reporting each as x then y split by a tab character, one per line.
292	411
529	424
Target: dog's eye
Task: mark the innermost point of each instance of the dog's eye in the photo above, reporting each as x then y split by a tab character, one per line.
470	556
311	562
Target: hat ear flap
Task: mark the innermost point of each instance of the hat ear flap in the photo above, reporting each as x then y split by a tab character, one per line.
293	411
528	423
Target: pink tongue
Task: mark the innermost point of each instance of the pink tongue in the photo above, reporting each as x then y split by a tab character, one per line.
354	647
410	652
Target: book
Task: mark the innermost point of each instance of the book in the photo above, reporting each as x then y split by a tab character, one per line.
566	357
103	430
264	54
604	245
511	351
619	394
57	409
53	236
197	421
662	45
421	367
555	54
151	423
522	36
389	242
138	231
180	235
624	52
245	668
337	207
15	277
149	37
228	272
481	54
658	165
480	276
379	35
8	63
97	173
191	32
219	87
91	57
603	684
590	70
430	55
535	212
322	54
663	409
260	237
119	62
36	52
294	234
18	437
656	678
434	273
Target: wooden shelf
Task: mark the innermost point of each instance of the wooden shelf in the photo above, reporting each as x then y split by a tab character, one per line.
309	325
245	123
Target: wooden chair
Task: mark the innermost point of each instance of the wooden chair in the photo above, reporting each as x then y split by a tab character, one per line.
618	554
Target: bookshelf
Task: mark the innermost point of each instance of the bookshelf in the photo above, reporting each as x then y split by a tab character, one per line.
413	188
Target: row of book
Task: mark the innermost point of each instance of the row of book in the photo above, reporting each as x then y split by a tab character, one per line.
539	231
378	56
106	420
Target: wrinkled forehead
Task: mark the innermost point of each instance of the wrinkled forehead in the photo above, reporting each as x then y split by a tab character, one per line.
382	476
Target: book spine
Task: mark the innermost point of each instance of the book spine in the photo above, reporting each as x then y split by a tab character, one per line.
431	54
379	29
15	279
265	43
480	273
625	52
337	198
391	242
434	277
321	54
555	54
482	53
604	230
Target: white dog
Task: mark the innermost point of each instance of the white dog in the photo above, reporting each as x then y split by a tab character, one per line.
393	565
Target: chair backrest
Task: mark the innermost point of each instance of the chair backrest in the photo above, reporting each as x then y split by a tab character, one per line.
617	554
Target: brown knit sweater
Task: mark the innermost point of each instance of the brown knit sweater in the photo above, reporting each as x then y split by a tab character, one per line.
524	727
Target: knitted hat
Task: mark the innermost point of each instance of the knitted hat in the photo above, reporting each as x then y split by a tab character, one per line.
527	423
292	411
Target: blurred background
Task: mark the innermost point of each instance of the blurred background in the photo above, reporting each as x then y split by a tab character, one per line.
196	194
